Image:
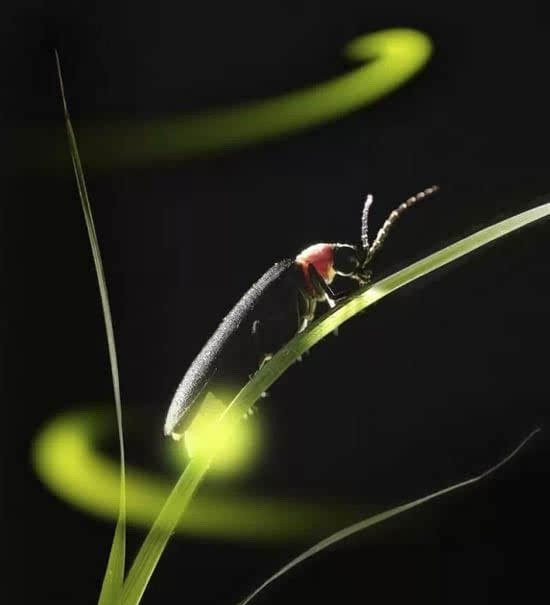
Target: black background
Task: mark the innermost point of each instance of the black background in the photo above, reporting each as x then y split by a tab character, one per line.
436	383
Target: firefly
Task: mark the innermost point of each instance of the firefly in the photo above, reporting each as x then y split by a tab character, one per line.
280	304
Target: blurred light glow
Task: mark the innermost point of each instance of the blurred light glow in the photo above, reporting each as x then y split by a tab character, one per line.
239	450
389	59
66	458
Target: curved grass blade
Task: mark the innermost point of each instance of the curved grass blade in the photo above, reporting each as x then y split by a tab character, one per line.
155	542
111	589
378	518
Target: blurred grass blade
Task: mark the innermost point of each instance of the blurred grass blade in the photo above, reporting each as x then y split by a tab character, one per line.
157	538
111	590
375	519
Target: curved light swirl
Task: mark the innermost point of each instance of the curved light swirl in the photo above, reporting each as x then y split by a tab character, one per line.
390	58
68	460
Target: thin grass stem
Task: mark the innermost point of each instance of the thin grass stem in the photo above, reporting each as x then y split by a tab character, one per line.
113	579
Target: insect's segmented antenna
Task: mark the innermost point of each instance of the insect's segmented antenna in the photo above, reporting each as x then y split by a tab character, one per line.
365	222
393	217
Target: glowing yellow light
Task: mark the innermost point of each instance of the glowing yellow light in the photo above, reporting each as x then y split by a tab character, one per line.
236	452
387	58
66	458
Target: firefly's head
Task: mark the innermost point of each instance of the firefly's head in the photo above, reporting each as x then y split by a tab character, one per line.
348	261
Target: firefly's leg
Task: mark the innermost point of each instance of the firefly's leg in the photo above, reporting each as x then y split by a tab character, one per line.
262	355
260	344
305	309
364	278
321	285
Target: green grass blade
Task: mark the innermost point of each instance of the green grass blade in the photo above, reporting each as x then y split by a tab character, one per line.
366	297
114	576
379	518
155	542
153	546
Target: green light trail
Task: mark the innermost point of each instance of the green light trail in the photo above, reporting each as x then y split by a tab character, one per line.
388	58
67	459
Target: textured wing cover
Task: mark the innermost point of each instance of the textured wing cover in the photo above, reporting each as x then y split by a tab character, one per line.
205	364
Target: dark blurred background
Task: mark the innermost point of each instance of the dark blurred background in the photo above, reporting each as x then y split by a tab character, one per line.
434	384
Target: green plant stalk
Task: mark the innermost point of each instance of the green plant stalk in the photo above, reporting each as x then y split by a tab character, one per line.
111	589
379	518
155	542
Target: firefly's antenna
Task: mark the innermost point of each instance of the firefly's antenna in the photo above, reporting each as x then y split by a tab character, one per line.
365	222
393	217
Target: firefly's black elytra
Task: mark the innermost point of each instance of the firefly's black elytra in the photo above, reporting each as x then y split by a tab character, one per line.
280	304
